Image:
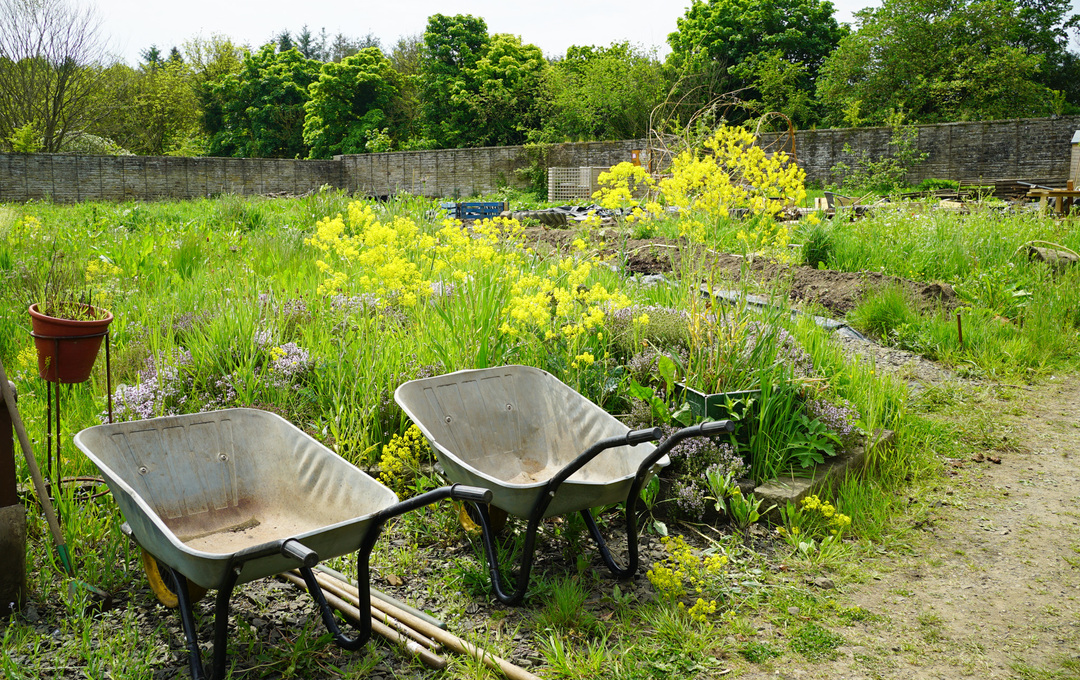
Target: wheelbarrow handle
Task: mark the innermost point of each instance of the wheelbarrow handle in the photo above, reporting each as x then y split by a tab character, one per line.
717	427
293	548
635	437
460	492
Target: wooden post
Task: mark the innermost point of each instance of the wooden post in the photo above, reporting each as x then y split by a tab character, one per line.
12	521
8	492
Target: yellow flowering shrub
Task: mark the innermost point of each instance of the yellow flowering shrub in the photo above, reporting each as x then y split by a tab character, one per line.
731	172
380	258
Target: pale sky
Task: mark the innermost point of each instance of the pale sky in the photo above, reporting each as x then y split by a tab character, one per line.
553	25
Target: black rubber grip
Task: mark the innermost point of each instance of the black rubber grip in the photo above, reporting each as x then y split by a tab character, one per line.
293	548
641	436
718	426
470	493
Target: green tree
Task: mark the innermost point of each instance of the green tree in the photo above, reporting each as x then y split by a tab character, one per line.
211	60
943	60
597	93
500	93
151	57
348	102
452	47
262	110
309	45
781	86
723	45
405	112
165	112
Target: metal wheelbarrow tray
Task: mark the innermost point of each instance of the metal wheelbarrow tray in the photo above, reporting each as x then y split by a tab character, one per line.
230	496
542	450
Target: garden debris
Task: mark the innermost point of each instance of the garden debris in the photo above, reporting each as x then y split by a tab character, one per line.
1005	189
953	206
856	207
564	215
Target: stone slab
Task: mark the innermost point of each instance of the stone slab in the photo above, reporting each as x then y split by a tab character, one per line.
792	489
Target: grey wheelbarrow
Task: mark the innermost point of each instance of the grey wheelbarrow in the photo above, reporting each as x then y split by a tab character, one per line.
223	498
542	450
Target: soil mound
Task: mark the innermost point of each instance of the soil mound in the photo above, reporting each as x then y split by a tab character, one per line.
835	291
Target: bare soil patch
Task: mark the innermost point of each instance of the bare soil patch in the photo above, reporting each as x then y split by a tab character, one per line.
836	292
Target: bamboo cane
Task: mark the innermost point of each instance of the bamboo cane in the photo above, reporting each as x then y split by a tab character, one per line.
450	640
429	658
340	589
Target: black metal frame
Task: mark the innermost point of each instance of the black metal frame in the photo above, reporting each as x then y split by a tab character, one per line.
49	444
540	507
307	559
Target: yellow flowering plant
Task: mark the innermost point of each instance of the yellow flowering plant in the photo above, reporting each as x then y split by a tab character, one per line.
381	258
684	575
627	188
564	308
813	527
729	172
403	459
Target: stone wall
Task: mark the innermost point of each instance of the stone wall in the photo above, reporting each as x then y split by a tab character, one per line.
67	178
456	173
1012	149
1034	148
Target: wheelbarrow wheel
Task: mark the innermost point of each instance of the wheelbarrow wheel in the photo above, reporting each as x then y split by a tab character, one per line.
161	583
471	522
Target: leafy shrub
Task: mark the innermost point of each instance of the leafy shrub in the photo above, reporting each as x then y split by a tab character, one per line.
886	173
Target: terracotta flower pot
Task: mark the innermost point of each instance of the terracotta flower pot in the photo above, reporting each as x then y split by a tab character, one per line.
67	348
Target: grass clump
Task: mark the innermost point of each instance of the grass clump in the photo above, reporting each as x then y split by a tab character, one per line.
815	642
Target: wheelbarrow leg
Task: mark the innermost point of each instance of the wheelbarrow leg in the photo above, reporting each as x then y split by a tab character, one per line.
540	508
497	585
631	542
363	626
700	430
363	558
221	625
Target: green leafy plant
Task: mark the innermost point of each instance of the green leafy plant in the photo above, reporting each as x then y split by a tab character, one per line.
60	289
650	493
25	139
745	510
811	442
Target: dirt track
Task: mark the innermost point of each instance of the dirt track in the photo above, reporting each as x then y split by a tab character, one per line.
991	585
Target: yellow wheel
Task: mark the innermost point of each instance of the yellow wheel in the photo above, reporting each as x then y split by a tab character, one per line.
472	526
161	583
